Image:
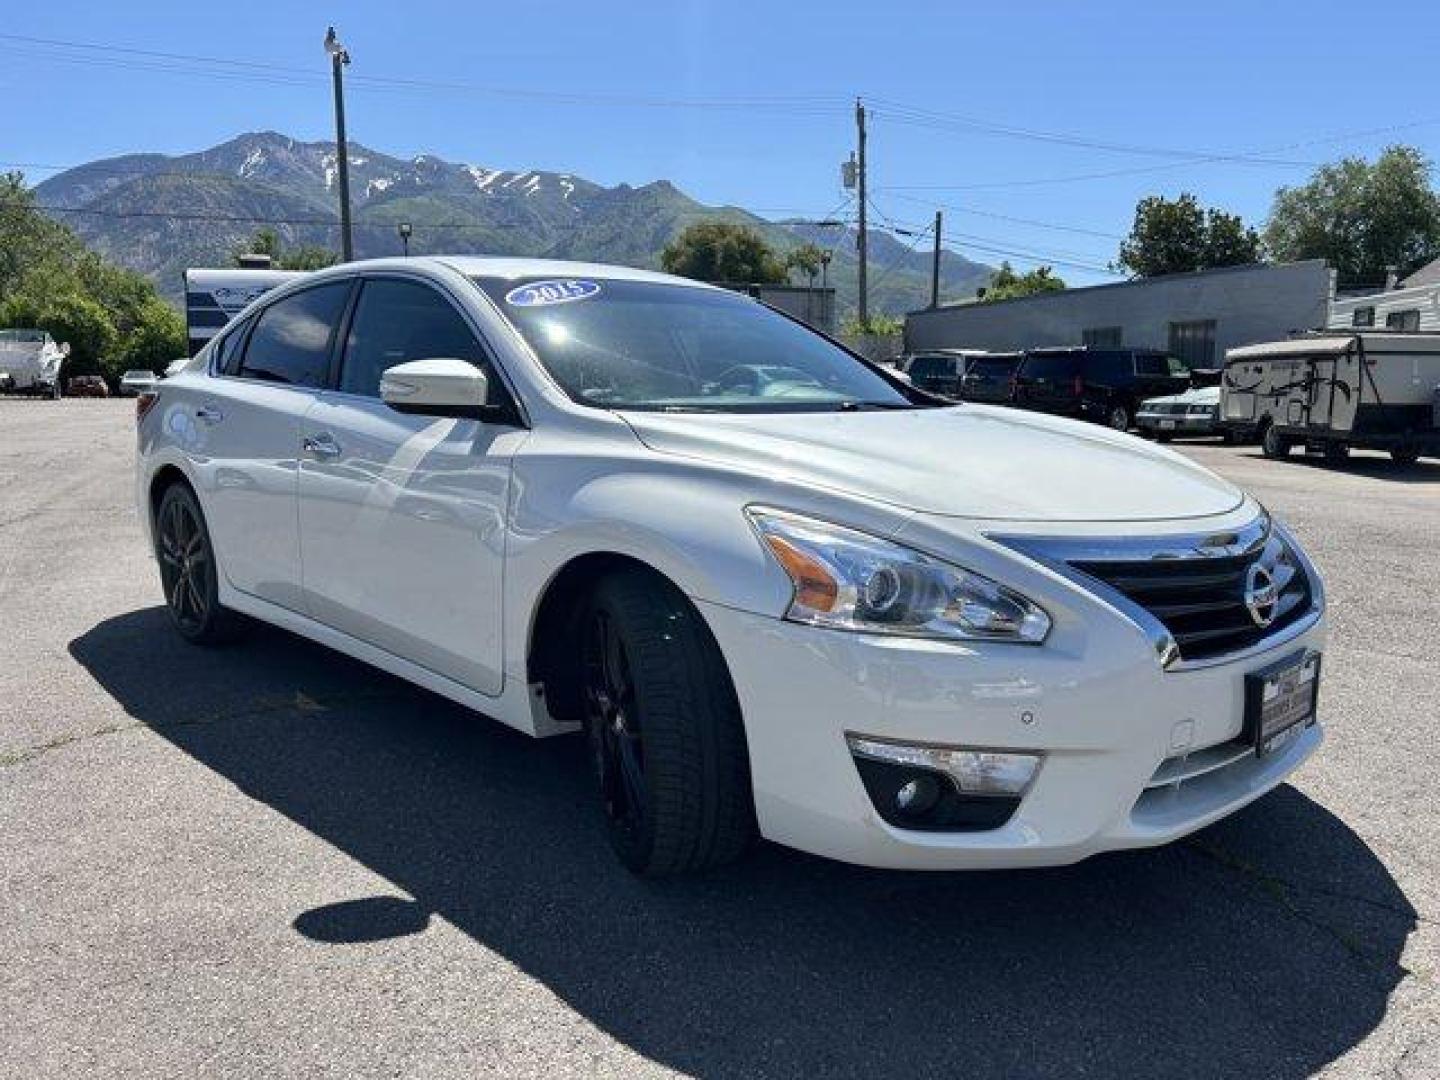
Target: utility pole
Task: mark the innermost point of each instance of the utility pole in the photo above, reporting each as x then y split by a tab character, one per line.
861	241
339	57
935	266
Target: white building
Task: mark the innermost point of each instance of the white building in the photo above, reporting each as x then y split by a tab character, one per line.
1415	305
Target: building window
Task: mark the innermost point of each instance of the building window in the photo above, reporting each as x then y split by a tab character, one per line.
1363	316
1403	320
1194	342
1101	337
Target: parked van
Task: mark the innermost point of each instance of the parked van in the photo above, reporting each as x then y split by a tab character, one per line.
1331	391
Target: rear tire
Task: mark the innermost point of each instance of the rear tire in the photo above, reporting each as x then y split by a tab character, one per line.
1405	455
189	574
1336	453
1273	444
664	730
1117	418
1163	436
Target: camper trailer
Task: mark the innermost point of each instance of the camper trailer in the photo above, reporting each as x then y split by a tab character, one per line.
214	297
30	363
1329	392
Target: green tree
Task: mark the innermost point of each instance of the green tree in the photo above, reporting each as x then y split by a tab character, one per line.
807	258
881	324
1178	236
69	315
1360	217
112	318
268	242
718	250
1006	284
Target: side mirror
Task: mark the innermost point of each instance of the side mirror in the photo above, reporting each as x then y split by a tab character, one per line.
443	386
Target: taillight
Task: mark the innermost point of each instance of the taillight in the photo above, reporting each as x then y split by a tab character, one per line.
144	402
1079	385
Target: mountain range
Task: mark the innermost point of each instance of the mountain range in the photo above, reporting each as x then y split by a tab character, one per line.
159	214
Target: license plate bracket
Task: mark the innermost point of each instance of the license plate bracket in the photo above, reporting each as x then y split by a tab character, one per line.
1281	701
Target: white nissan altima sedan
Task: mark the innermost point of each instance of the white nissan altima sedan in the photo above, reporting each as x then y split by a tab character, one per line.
780	591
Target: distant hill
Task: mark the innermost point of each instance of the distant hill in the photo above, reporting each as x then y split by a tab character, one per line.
160	214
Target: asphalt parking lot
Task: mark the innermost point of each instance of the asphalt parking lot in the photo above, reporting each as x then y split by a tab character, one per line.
269	860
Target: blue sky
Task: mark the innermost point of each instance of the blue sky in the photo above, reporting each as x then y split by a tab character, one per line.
748	103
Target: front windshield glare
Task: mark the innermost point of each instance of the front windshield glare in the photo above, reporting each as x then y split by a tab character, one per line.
645	345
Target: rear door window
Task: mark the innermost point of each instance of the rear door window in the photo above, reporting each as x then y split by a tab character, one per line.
291	341
227	353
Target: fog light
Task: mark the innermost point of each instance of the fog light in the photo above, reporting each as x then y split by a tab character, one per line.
918	797
975	772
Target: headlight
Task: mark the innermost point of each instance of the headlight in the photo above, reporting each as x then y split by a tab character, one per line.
849	580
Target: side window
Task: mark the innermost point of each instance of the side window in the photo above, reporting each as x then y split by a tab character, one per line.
227	353
397	321
291	341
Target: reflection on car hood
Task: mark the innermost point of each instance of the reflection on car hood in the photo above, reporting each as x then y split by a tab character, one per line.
1204	395
967	461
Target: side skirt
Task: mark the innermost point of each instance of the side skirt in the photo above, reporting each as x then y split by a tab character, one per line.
518	705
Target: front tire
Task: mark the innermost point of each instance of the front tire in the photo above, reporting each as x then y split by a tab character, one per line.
189	574
664	730
1405	455
1117	417
1336	453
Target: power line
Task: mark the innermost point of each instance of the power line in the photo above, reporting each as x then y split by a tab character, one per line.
897	112
1056	226
1144	169
157	60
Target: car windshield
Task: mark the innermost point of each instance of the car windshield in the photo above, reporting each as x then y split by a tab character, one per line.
23	337
622	344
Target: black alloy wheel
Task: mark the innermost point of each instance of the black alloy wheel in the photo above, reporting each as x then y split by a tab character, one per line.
1118	418
663	729
617	746
188	573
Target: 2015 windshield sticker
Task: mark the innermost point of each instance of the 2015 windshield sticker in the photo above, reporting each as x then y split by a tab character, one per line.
559	291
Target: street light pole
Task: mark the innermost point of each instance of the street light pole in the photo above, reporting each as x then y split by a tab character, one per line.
339	57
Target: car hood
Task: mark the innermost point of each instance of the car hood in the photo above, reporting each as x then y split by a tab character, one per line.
966	461
1204	395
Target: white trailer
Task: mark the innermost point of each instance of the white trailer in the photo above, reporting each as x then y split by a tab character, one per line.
215	296
1329	392
30	363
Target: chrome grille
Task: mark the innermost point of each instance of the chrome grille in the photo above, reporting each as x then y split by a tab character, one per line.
1202	601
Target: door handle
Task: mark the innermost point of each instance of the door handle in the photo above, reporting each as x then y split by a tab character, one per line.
209	414
322	445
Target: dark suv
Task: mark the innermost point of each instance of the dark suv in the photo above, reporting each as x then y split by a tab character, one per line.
1103	385
990	378
937	372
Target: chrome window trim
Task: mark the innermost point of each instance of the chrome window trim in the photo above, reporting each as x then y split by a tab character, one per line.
1057	553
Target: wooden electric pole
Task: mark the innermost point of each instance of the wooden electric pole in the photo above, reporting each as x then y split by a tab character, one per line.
935	266
862	241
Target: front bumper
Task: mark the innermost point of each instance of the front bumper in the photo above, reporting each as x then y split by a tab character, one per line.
1177	424
1116	732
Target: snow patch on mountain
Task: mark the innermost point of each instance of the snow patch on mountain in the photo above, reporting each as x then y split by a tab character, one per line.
252	161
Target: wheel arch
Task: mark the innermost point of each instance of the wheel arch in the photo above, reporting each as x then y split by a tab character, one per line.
160	482
553	634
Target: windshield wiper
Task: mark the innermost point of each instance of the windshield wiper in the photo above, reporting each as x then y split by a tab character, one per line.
860	406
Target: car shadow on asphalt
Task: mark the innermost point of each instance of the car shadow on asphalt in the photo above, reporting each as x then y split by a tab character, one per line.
1267	945
1425	471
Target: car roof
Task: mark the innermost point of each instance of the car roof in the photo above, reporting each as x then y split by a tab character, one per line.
510	268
